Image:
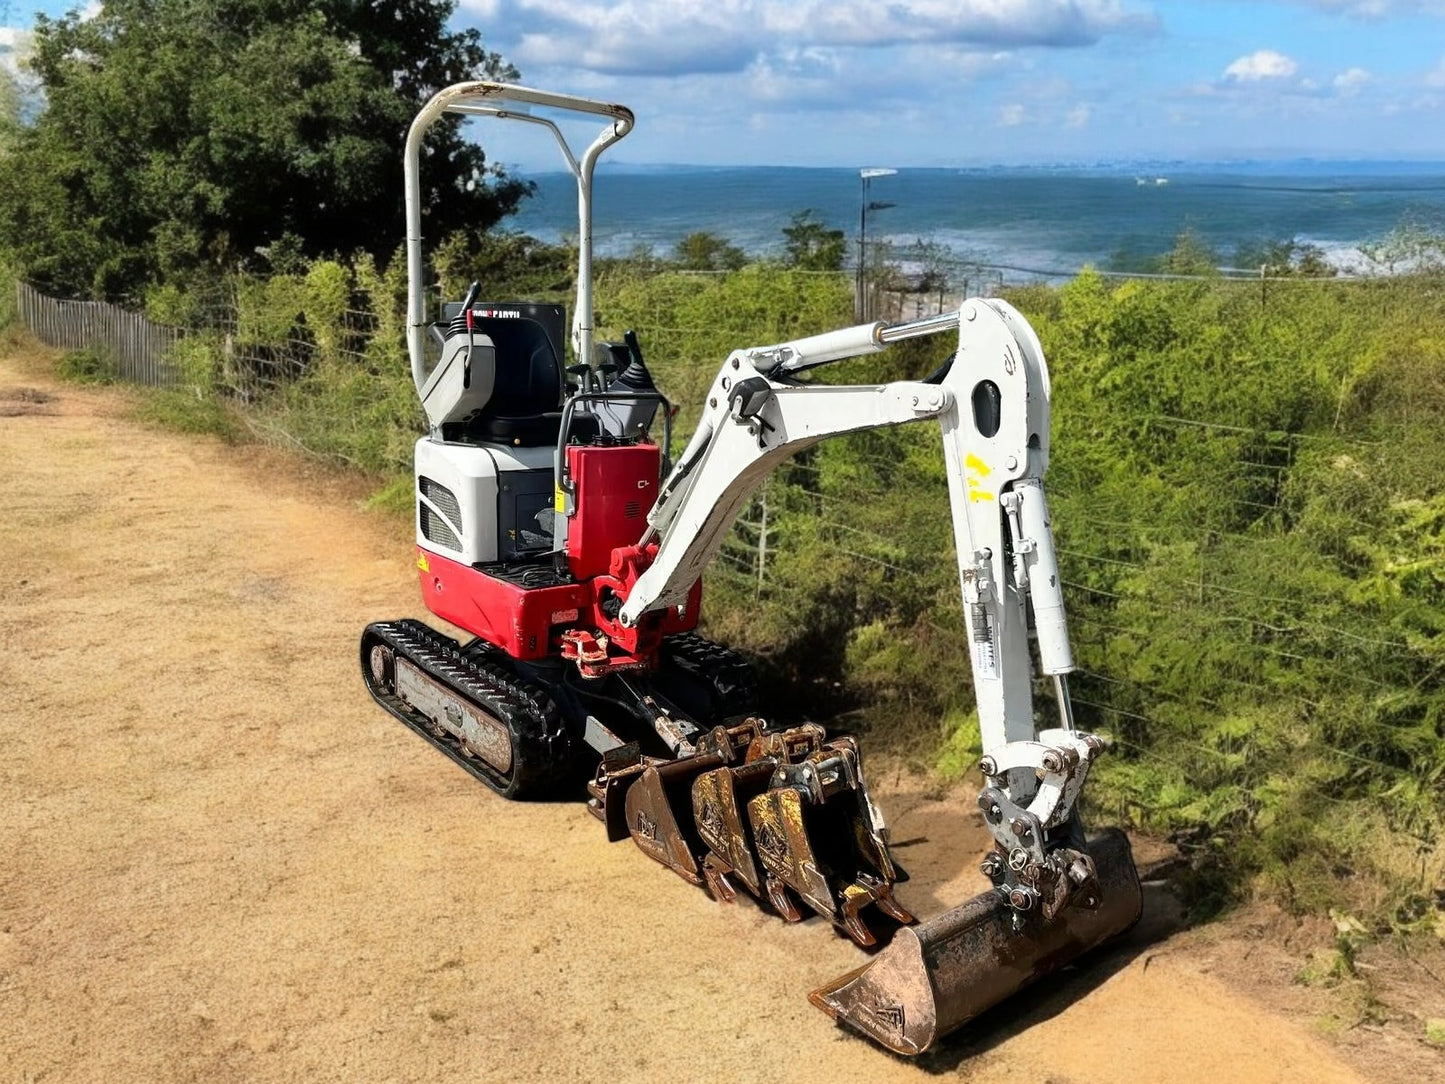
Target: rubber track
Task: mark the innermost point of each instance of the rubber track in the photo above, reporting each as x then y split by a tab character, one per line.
541	748
727	674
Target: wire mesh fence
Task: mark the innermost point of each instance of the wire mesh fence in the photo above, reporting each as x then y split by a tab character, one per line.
339	387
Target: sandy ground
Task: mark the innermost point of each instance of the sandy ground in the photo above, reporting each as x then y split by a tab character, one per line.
220	861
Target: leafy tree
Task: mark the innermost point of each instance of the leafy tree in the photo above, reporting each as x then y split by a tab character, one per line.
185	135
704	251
1191	255
811	245
1286	259
9	110
509	266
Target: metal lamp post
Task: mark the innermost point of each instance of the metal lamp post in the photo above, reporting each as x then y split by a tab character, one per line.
864	206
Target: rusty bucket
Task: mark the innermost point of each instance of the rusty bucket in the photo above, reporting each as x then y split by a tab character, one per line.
936	977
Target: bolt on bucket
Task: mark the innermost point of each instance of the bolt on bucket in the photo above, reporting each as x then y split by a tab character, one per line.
935	977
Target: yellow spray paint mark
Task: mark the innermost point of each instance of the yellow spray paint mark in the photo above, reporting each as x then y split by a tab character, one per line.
421	561
976	466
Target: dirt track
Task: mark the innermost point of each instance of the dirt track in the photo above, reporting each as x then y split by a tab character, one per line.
219	860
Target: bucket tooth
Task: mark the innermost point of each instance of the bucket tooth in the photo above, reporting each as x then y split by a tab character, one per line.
719	803
781	899
935	977
659	815
871	890
715	873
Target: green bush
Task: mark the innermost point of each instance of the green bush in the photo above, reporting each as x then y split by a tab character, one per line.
87	367
9	278
1247	495
192	411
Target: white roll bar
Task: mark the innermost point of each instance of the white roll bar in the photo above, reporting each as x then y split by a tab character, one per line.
488	99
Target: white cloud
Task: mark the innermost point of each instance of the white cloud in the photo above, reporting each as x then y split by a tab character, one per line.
1011	116
1435	77
1260	65
1352	80
679	37
1078	117
14	47
1376	9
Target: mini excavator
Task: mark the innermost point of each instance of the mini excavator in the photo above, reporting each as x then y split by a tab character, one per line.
553	526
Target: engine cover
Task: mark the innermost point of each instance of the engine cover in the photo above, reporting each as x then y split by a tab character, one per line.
483	503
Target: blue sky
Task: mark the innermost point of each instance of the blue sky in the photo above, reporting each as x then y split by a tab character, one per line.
966	82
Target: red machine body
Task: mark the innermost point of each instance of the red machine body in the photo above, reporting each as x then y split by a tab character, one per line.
520	620
614	488
527	610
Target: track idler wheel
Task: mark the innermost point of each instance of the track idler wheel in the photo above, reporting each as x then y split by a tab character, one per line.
936	977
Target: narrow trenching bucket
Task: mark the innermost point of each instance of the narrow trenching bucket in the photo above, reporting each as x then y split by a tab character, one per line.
935	977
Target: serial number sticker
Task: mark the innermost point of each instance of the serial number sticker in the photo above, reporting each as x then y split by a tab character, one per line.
561	616
986	660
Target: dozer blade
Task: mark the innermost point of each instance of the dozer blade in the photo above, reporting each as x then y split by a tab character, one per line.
935	977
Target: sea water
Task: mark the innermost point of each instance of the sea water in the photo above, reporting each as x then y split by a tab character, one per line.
1045	222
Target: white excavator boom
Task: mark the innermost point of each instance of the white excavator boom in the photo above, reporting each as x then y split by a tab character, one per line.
1055	893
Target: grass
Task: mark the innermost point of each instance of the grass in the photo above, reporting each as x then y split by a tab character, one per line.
395	498
185	410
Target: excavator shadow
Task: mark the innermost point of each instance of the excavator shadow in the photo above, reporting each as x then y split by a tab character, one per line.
1163	915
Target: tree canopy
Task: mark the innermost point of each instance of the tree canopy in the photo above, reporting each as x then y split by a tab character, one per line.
185	135
704	251
811	245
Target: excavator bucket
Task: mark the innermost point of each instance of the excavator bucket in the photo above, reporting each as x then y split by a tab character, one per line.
814	849
720	800
659	814
935	977
784	813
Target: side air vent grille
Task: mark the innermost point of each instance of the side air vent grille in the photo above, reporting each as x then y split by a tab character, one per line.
632	509
436	528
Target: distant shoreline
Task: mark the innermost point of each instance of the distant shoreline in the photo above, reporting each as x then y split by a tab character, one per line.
1055	220
1368	167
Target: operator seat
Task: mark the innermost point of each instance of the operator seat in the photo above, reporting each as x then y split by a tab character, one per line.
525	407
